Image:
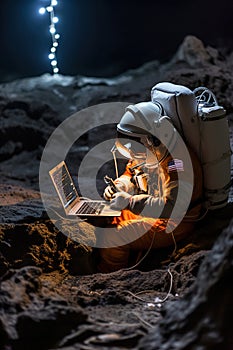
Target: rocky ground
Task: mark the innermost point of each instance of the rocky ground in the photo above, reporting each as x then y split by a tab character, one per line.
48	300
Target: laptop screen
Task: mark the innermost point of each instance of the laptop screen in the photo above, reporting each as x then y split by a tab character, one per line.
64	184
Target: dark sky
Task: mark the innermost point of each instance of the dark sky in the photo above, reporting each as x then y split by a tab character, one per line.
105	37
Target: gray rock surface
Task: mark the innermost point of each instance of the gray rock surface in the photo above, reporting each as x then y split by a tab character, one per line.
33	320
203	318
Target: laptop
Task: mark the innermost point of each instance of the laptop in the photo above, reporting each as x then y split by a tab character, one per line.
72	203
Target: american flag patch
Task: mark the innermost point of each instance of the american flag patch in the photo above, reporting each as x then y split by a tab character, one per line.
175	165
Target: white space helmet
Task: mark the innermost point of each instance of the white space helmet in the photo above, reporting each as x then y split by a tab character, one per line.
139	119
146	119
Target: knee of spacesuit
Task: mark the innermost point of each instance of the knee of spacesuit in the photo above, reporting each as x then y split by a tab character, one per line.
113	259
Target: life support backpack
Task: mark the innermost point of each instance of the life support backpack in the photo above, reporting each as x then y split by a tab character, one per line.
203	125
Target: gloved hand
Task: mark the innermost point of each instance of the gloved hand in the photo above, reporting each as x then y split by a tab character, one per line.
108	193
120	200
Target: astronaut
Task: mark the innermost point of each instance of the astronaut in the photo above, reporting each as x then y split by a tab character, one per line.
159	197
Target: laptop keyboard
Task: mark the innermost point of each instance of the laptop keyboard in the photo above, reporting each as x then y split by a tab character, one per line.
90	208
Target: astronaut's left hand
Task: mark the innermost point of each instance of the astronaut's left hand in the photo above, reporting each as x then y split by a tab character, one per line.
120	200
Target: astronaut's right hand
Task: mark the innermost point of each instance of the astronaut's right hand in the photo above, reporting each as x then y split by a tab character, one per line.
108	193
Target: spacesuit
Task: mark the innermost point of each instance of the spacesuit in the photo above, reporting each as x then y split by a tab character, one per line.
148	209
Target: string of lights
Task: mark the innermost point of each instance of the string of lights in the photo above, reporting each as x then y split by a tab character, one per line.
53	31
